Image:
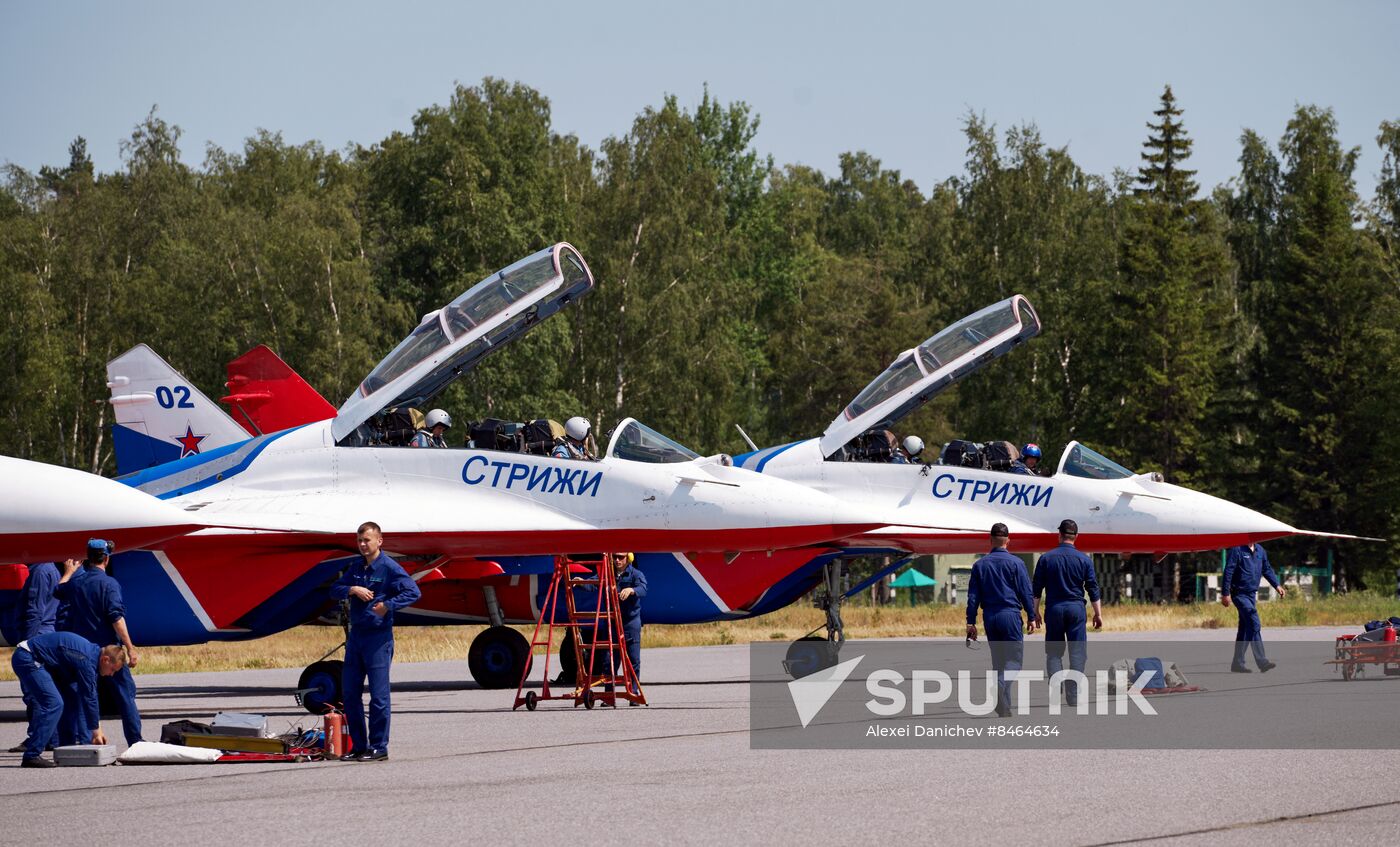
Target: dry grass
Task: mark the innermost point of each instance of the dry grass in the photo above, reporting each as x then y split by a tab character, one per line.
303	645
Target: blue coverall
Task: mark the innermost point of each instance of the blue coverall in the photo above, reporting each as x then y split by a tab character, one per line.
631	610
90	602
39	612
1243	569
39	609
57	673
370	648
1000	586
1064	574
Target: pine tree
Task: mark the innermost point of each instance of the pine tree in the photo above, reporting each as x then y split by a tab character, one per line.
1165	309
1327	373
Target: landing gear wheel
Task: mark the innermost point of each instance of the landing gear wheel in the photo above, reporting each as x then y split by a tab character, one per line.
320	684
806	656
499	657
532	701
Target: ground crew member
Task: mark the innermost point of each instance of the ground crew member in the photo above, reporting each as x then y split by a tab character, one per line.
38	612
575	443
631	589
435	426
376	586
91	605
1064	574
1244	565
58	673
1029	462
1000	586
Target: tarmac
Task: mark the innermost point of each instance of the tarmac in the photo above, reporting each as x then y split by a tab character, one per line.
465	768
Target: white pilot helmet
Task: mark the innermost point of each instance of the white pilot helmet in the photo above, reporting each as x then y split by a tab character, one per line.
577	428
438	416
913	445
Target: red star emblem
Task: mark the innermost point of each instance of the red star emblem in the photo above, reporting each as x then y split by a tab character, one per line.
189	442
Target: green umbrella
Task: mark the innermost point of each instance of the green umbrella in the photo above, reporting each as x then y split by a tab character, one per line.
913	579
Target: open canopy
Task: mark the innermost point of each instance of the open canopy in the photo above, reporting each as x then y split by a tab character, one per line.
918	375
450	341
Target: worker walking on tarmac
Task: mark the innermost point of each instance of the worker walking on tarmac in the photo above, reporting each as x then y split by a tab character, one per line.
91	606
1244	567
38	612
1065	574
58	673
376	586
1000	586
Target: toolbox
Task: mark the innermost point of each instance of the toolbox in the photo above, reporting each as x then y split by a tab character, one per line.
237	743
85	755
240	723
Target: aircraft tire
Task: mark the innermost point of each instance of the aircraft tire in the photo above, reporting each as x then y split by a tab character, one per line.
806	656
499	657
323	678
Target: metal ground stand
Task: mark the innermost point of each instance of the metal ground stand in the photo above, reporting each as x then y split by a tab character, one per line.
597	635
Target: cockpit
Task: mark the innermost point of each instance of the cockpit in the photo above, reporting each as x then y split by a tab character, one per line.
450	341
637	442
1080	461
862	432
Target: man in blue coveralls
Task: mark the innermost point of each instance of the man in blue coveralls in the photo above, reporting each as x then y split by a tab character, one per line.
1244	566
58	673
38	610
1064	574
631	588
1000	586
91	606
376	586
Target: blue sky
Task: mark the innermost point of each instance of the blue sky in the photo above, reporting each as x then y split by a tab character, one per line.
893	79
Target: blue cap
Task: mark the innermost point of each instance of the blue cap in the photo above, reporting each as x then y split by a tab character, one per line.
97	547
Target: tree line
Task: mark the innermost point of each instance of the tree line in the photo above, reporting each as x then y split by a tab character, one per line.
1241	340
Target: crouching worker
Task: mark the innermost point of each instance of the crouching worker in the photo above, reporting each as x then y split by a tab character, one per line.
58	674
376	586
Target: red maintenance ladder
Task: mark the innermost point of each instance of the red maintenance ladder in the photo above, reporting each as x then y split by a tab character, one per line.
597	635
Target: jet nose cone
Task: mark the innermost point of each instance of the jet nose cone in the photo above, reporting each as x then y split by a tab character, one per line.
1222	523
51	512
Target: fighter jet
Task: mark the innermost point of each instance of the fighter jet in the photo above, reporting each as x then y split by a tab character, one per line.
245	532
949	504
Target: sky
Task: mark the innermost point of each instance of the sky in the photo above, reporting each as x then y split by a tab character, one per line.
893	79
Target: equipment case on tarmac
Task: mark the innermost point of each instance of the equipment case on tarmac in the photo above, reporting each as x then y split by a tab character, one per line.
85	755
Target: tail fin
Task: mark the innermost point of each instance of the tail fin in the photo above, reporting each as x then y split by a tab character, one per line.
159	415
269	396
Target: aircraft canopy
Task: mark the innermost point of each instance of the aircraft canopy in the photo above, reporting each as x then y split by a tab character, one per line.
450	341
1078	460
918	375
637	442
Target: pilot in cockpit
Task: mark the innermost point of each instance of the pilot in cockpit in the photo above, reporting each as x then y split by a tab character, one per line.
435	425
1029	462
575	442
912	447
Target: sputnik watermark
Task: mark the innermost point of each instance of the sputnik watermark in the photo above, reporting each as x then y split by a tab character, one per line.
934	687
888	698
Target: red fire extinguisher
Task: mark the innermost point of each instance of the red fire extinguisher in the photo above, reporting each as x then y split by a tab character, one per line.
337	735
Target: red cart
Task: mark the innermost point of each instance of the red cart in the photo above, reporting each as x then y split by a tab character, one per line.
1377	648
